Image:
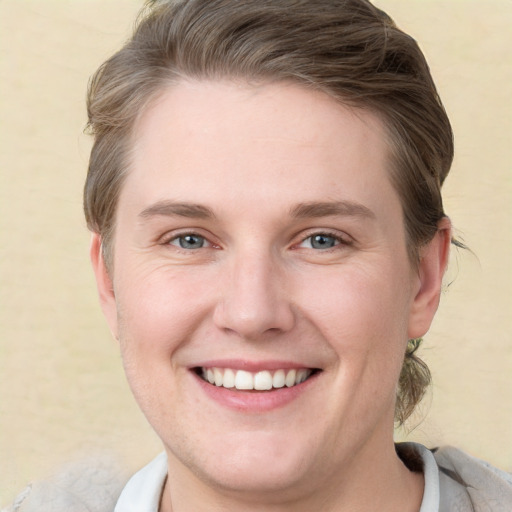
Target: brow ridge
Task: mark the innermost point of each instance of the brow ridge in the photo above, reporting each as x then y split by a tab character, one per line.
313	209
171	208
331	208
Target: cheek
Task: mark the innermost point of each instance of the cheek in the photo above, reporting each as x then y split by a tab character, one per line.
159	307
358	304
159	310
363	315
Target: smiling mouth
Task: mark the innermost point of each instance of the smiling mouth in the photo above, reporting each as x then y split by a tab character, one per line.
258	381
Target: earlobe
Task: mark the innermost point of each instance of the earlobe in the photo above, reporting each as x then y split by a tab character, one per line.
104	283
431	269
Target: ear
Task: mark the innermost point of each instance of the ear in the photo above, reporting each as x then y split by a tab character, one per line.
431	269
104	284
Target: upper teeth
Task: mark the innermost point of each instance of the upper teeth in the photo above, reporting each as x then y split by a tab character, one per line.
260	381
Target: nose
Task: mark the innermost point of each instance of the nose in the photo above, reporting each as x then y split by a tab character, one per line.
254	302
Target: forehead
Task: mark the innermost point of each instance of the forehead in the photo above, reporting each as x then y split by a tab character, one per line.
280	142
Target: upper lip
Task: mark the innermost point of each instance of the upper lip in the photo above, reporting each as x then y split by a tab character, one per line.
251	366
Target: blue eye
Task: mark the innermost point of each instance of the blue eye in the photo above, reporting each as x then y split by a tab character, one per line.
321	241
189	241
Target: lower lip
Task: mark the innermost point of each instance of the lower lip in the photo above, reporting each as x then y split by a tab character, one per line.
254	401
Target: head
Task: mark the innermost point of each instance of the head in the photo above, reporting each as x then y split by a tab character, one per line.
347	51
354	53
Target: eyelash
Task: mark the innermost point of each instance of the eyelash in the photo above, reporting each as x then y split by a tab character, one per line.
340	240
168	239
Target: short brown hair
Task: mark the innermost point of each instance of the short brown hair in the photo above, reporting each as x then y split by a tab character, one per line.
348	49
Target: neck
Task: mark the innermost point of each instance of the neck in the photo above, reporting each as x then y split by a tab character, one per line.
372	481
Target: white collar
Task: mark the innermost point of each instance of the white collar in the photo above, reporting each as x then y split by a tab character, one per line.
143	491
430	502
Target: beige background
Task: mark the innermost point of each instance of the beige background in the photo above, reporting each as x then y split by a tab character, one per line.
62	391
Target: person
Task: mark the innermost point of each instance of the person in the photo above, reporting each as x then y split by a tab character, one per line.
269	243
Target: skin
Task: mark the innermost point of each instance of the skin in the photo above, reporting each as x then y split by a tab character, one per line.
258	290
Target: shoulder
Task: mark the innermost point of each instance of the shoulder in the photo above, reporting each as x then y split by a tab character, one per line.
456	481
91	485
463	479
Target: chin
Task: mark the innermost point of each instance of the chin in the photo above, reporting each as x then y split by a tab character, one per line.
261	463
259	478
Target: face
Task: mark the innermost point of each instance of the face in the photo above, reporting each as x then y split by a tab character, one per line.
261	289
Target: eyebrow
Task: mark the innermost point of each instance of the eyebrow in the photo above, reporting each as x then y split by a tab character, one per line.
331	208
171	209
